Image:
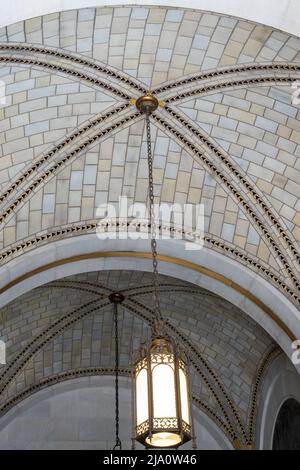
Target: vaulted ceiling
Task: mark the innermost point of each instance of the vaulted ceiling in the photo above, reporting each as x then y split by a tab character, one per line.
227	136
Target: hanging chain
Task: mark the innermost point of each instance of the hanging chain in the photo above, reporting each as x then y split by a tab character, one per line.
158	327
118	444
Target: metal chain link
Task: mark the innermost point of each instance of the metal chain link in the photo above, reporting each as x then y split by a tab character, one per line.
118	444
157	310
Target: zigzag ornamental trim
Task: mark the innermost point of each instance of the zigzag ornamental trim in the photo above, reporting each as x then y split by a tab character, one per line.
68	71
85	286
75	59
231	250
61	377
100	371
73	230
220	73
59	147
195	356
88	287
166	288
269	357
224	181
215	417
239	174
58	165
205	89
250	262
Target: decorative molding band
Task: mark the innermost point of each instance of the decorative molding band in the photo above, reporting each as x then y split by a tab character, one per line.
205	89
167	259
84	286
67	71
212	168
239	174
216	418
261	371
92	287
110	72
61	377
76	59
91	226
220	73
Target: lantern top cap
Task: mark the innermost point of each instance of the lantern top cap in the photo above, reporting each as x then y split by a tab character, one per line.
116	297
147	104
160	341
162	344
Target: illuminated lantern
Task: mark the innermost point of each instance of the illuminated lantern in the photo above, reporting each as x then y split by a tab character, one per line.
161	395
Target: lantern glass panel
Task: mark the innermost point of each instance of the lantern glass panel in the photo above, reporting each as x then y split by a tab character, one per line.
163	383
184	397
142	412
